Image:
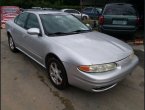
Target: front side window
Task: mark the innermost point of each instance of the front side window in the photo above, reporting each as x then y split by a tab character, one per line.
62	24
68	11
75	11
32	22
95	11
21	19
99	10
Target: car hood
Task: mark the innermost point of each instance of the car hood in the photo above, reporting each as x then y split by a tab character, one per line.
95	47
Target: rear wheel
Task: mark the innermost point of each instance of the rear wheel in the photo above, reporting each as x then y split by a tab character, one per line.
11	44
84	18
57	74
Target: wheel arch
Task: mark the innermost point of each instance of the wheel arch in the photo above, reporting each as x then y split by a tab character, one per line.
8	34
51	55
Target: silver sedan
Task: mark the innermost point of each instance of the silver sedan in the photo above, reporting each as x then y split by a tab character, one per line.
72	53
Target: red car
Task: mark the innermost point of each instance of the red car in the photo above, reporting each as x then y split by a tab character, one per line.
7	13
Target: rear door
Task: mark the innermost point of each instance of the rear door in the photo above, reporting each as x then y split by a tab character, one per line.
119	16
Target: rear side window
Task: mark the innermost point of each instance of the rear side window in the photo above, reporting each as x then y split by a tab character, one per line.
121	9
68	11
21	19
32	22
72	11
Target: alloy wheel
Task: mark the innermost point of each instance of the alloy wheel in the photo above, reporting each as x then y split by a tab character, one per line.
55	73
11	43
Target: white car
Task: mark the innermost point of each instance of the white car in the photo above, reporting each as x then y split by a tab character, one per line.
76	13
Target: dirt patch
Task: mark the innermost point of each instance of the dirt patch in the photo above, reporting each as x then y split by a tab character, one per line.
66	102
15	78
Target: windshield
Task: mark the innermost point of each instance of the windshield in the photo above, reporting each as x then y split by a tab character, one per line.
62	24
99	10
119	10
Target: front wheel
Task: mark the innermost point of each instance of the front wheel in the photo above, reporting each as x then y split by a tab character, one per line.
57	74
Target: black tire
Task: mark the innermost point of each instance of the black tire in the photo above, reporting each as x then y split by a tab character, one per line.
64	83
11	44
85	18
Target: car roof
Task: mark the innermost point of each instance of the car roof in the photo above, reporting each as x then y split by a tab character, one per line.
45	11
67	9
93	7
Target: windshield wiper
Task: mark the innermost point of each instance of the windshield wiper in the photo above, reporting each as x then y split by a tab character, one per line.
67	33
80	31
57	33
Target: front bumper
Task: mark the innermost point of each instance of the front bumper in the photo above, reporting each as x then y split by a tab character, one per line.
97	82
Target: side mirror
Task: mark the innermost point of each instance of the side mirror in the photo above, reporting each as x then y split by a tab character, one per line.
33	31
89	26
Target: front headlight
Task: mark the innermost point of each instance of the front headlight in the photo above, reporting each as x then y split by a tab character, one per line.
97	68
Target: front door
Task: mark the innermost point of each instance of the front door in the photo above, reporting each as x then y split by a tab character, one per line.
33	43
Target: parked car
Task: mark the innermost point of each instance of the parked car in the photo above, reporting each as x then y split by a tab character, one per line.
92	12
72	53
118	18
76	13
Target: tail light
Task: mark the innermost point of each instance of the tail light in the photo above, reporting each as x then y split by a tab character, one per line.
101	20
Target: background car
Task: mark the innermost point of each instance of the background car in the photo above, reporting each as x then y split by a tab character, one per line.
76	13
92	12
118	18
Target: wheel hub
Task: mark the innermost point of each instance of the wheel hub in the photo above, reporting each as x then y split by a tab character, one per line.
11	43
55	73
